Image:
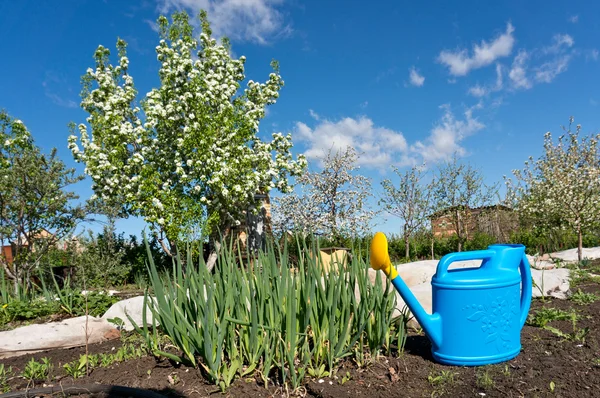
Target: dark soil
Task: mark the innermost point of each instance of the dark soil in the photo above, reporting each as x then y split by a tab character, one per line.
548	365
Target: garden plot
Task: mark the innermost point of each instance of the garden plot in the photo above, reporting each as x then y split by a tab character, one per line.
417	275
559	357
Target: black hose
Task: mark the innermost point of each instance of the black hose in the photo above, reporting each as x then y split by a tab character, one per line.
110	390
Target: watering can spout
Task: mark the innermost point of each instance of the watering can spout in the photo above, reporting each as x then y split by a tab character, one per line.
380	260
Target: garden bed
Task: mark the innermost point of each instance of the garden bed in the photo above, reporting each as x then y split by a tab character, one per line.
549	365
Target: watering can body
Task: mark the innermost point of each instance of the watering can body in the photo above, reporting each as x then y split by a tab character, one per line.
482	309
477	313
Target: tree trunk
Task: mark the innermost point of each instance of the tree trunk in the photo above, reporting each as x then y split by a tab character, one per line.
216	248
458	230
212	257
579	243
12	275
16	283
432	244
406	243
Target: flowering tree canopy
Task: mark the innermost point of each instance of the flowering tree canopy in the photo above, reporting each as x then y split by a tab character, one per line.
35	210
189	154
410	201
563	186
331	203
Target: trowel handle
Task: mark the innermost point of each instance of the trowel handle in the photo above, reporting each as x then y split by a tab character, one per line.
444	263
525	288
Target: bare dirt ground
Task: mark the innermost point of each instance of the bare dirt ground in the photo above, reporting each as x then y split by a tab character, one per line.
564	362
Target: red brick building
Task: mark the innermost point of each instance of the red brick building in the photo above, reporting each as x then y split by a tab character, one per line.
497	220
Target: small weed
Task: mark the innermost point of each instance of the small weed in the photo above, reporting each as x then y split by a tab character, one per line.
93	360
77	369
506	371
582	298
118	322
126	352
578	334
597	362
440	382
444	378
544	315
318	373
552	386
173	379
484	379
5	375
37	371
345	379
575	335
106	360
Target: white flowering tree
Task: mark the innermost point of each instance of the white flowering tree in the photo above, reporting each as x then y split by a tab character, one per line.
457	189
189	153
35	209
410	200
562	186
331	202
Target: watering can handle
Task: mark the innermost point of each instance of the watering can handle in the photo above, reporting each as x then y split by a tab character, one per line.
442	268
526	288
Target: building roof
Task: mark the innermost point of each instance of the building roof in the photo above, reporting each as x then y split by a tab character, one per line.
442	212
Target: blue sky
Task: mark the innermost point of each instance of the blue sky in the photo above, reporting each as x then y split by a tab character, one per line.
401	81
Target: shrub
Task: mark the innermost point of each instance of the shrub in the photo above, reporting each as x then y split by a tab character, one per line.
479	241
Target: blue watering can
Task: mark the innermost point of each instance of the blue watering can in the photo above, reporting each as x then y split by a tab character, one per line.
477	313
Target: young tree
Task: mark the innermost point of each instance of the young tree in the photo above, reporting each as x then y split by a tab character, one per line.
333	202
457	189
410	201
35	210
562	187
191	155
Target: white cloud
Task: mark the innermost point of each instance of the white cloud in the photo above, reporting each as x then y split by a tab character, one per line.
446	136
481	91
593	54
478	91
554	60
377	146
546	72
560	42
415	78
460	63
499	71
574	18
240	20
313	114
380	147
518	71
